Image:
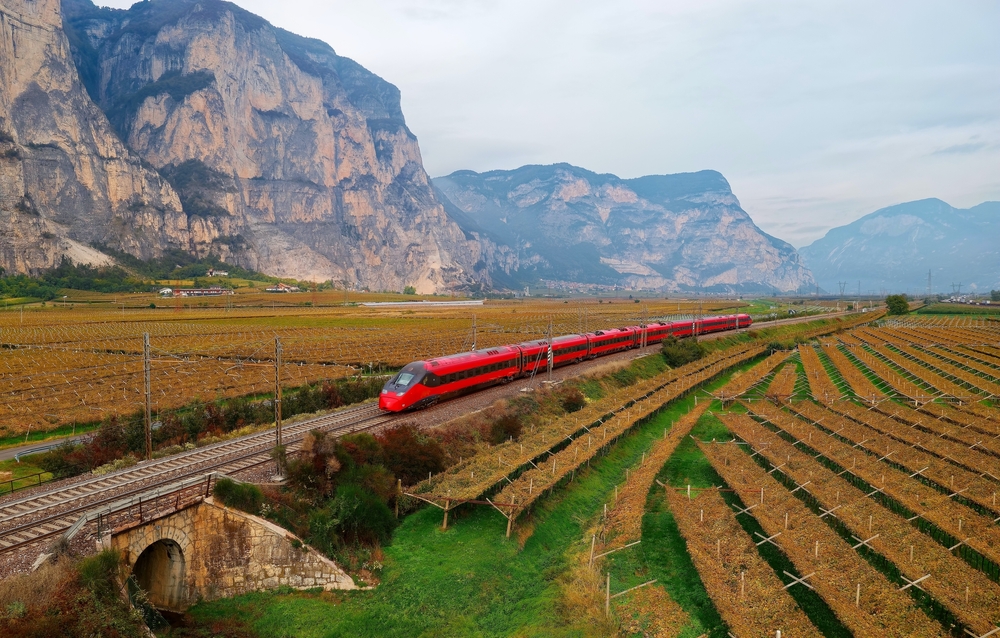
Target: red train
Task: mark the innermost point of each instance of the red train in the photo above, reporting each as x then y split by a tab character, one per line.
422	383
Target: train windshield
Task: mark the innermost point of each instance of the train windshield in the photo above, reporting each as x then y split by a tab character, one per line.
410	375
404	379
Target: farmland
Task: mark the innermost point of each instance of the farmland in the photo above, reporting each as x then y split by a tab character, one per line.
81	360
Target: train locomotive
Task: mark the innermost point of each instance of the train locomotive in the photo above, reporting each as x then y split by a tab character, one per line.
423	383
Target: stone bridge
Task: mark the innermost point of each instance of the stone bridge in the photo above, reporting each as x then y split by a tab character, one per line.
207	551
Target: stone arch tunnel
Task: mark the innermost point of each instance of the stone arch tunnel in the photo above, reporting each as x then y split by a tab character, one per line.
160	572
207	551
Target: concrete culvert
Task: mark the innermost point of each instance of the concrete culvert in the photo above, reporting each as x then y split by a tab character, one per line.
160	571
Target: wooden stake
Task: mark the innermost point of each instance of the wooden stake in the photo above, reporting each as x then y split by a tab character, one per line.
911	553
702	515
399	494
857	596
966	594
607	597
689	491
743	584
593	542
762	496
447	505
817	549
510	523
718	547
786	520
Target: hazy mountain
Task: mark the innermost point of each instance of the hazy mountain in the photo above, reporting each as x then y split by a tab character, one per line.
893	248
668	232
194	124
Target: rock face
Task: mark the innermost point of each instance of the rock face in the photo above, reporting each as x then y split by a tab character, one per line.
668	232
893	248
193	125
300	158
66	180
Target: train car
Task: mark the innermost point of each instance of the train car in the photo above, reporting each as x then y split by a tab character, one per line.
422	383
656	332
534	356
605	342
565	350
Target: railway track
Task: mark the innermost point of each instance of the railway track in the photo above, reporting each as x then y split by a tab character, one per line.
48	513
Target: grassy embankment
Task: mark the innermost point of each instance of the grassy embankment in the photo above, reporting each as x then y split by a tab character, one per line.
28	474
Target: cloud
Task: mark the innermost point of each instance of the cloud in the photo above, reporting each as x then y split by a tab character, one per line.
968	147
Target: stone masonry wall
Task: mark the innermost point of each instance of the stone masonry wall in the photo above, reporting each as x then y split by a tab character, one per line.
227	552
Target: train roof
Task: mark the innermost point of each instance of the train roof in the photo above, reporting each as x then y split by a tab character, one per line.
468	357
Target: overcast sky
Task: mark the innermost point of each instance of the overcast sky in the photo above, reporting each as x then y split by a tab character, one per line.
816	112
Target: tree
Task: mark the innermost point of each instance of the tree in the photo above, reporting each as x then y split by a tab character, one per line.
995	295
897	304
409	290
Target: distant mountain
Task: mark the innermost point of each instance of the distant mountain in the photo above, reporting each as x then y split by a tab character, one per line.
893	248
669	232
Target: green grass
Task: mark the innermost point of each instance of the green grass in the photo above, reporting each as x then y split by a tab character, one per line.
21	470
957	309
45	435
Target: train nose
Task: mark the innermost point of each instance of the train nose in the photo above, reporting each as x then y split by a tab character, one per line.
390	402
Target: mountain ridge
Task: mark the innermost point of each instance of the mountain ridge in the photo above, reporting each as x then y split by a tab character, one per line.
893	248
568	224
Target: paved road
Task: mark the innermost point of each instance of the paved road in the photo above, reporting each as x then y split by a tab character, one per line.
38	446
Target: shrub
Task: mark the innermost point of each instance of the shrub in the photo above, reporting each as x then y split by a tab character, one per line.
60	461
409	455
506	427
118	464
361	515
324	534
99	573
573	400
373	478
363	448
242	496
677	352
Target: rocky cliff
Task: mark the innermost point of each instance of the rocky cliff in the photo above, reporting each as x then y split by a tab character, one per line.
66	180
300	157
668	232
195	125
893	249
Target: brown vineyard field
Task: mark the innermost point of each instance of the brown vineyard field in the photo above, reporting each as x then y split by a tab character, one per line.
81	359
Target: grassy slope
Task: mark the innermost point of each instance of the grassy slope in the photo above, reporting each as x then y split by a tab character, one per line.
22	469
469	581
